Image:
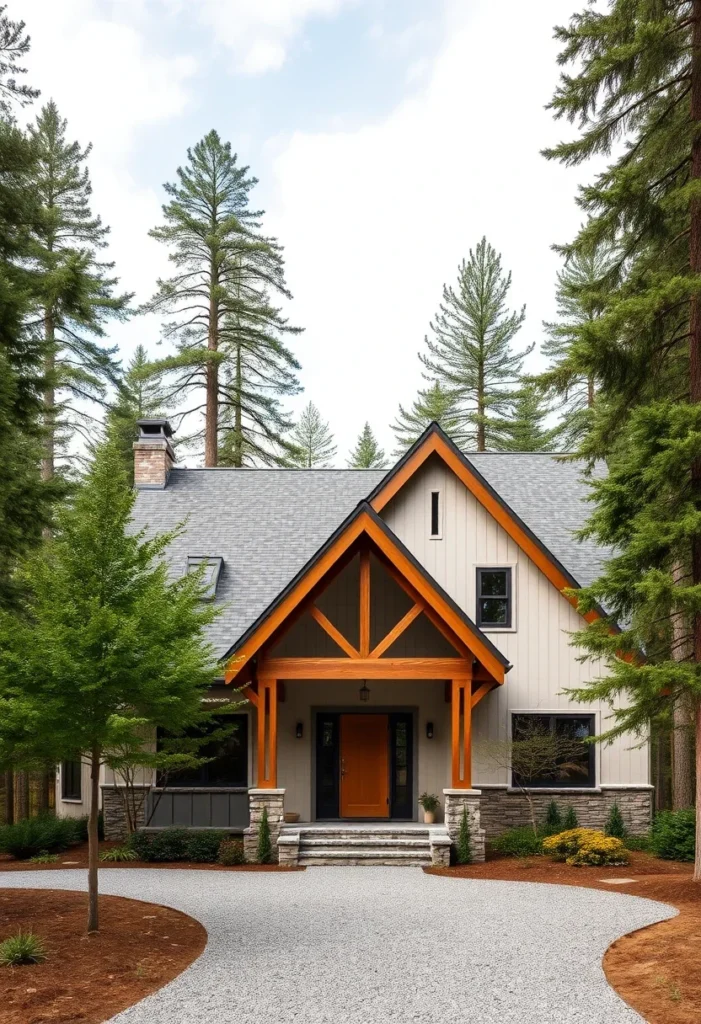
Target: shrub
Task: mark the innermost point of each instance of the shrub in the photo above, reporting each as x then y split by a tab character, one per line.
22	948
570	819
673	835
231	852
44	834
637	842
118	855
44	858
203	847
173	844
265	846
579	846
615	826
463	847
566	844
518	842
553	819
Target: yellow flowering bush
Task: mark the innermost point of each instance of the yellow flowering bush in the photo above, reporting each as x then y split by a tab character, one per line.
580	846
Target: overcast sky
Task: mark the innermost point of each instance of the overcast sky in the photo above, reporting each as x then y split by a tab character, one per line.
388	136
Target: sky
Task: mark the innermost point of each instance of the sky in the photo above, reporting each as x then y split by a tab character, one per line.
388	137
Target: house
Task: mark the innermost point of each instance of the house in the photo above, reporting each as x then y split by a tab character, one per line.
389	631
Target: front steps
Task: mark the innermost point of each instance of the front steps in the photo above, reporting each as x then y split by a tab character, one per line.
359	844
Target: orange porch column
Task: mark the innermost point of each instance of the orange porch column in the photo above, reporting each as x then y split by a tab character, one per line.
267	734
461	734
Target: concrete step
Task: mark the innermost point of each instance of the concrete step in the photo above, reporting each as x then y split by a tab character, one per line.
370	862
393	842
359	833
379	855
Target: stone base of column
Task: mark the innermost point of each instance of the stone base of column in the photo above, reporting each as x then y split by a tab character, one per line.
114	813
457	800
273	801
440	844
288	849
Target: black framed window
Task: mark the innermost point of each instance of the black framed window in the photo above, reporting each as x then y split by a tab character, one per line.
401	762
327	765
228	764
71	780
570	763
494	598
435	513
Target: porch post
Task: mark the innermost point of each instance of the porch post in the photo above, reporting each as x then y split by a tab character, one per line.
461	734
267	734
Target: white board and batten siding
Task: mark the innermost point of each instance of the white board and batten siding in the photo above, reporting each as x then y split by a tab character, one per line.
544	663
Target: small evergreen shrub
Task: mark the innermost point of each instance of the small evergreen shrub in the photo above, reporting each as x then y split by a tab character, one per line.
22	948
553	819
570	820
265	847
231	852
582	846
43	834
673	835
463	847
615	826
203	847
637	842
118	855
518	842
44	858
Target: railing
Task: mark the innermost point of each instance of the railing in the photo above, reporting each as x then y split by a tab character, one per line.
198	807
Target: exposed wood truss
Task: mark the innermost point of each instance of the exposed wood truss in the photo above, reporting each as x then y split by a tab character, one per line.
367	668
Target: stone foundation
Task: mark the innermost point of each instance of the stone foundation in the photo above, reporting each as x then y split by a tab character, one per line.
113	812
503	809
455	801
273	800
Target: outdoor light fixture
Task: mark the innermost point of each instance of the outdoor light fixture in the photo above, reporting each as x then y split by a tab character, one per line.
364	692
429	730
299	730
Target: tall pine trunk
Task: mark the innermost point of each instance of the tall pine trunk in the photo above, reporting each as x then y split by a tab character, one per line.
683	768
211	427
48	469
238	416
93	839
9	797
22	795
590	392
481	432
695	377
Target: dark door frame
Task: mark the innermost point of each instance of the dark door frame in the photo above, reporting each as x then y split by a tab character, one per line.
394	713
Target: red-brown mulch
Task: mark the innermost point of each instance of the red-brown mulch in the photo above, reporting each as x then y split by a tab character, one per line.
77	857
88	978
657	969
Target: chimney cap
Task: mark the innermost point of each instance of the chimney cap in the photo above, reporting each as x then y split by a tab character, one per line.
149	428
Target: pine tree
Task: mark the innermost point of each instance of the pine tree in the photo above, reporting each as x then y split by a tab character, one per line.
470	352
526	431
311	441
231	357
553	818
570	821
264	853
76	292
635	93
367	453
433	405
139	396
463	846
615	826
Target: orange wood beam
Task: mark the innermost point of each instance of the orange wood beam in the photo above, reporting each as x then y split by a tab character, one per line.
461	735
396	631
249	693
364	603
338	638
367	668
482	690
267	733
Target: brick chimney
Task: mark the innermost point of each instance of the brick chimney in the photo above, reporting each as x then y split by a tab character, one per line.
153	454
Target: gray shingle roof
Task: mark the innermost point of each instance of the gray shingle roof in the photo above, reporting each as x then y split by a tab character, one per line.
267	523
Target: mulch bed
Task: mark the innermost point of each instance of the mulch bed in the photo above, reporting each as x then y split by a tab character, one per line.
77	857
88	978
656	970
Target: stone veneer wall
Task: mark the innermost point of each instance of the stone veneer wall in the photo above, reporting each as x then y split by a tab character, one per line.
501	809
115	821
273	800
454	801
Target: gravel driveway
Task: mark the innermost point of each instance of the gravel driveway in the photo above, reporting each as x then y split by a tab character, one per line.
378	945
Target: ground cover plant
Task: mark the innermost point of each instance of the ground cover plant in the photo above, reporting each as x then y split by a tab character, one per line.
21	949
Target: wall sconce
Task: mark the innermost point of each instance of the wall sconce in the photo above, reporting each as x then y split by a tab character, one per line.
429	730
299	730
364	692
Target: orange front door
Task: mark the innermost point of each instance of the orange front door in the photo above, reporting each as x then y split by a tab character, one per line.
364	766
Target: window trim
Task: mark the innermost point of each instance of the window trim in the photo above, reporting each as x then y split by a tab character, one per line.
591	784
72	799
439	516
510	571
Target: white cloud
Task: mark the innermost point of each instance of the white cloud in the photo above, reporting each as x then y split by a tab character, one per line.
374	221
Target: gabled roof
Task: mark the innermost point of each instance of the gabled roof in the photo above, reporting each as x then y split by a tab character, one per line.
364	522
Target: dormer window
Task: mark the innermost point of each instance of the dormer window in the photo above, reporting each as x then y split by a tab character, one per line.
211	573
494	598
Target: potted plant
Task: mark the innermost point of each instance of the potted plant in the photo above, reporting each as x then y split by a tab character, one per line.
430	804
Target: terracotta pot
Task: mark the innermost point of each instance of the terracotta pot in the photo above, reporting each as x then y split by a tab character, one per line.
429	817
291	817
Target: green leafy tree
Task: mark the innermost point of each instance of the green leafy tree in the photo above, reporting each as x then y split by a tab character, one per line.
632	83
76	296
264	853
463	846
526	431
367	453
231	359
127	646
311	441
140	395
433	405
470	352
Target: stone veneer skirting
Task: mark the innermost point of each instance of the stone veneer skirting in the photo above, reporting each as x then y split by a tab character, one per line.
502	808
455	802
113	812
273	800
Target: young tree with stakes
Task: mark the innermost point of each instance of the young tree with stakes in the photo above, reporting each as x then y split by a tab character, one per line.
432	405
470	352
635	94
367	453
311	441
127	645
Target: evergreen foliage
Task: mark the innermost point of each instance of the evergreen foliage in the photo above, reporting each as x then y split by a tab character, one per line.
311	442
470	349
139	396
127	645
264	852
570	820
635	94
75	292
553	818
526	430
673	835
615	826
232	364
14	47
367	453
432	405
463	846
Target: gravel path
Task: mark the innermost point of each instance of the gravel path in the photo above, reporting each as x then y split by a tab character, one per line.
380	945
